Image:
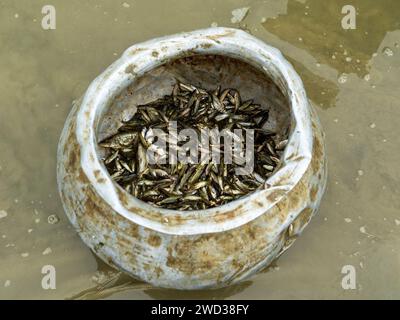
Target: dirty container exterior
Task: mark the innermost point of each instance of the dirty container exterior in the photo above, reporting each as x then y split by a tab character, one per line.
193	249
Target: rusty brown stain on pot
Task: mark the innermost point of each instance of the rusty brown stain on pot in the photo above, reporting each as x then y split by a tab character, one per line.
71	133
133	231
94	209
110	261
123	197
126	242
314	124
72	163
91	208
154	240
282	180
97	173
206	45
209	248
131	69
221	35
221	217
252	231
295	157
146	266
317	154
144	213
258	204
256	252
236	264
298	194
82	176
158	271
173	262
177	219
97	176
191	264
267	219
283	206
73	153
136	50
314	192
302	219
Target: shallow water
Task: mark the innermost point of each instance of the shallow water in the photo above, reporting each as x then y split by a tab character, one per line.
351	75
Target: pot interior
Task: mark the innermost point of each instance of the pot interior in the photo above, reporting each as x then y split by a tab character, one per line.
205	71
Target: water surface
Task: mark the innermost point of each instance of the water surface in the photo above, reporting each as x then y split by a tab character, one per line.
352	76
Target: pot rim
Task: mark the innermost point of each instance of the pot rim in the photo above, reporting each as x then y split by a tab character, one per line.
145	56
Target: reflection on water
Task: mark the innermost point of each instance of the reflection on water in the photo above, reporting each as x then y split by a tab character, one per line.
109	282
315	26
199	294
359	220
318	30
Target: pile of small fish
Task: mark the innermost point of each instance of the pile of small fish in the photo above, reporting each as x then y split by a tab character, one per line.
191	186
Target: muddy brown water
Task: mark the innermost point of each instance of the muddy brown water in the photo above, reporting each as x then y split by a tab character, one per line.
351	75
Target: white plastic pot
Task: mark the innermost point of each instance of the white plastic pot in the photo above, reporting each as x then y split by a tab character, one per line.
194	249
